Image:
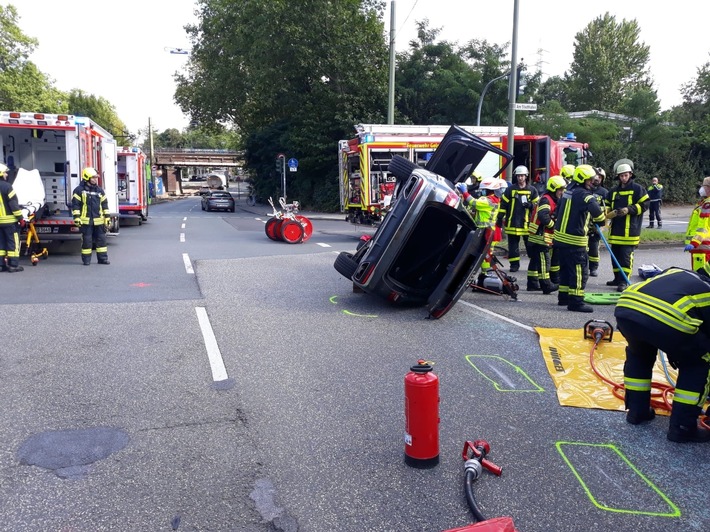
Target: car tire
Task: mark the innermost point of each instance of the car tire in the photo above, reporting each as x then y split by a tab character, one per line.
345	264
232	209
401	168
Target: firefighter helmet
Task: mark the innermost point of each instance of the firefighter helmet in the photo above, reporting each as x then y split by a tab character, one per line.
623	168
601	173
520	170
3	170
620	162
88	173
555	183
567	171
477	177
584	172
493	183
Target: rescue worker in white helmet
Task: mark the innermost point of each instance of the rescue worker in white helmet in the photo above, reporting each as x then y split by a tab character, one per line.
542	229
668	312
91	215
485	213
574	210
10	216
627	202
515	207
601	194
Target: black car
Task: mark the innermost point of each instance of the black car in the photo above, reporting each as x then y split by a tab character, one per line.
218	200
428	248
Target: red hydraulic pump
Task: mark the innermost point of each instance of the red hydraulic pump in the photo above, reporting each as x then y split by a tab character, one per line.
421	412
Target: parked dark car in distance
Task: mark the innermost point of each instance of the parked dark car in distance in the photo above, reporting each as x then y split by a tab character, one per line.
218	200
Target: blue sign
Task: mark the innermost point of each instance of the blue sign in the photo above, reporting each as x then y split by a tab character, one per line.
292	163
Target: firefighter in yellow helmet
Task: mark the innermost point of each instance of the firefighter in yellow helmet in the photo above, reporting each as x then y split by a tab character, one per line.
10	215
567	172
542	229
668	312
594	237
91	214
575	209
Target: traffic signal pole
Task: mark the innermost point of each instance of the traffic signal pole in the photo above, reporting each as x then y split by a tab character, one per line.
512	90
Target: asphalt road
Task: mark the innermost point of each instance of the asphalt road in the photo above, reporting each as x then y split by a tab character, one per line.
120	411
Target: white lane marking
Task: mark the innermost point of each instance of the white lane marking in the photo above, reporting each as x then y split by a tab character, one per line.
184	219
188	263
500	317
321	244
219	372
182	226
182	237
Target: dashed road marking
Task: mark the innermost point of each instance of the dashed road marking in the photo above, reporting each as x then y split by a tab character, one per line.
188	263
219	371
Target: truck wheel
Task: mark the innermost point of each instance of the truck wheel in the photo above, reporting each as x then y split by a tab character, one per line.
345	264
307	227
273	228
292	232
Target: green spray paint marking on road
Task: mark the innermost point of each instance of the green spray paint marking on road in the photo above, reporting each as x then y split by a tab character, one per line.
333	299
501	375
613	485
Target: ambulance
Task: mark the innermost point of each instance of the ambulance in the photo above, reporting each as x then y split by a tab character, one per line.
58	147
132	172
366	185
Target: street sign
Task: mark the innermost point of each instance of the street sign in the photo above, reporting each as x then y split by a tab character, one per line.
526	107
293	164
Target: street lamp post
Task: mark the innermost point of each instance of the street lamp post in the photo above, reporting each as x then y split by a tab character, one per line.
483	93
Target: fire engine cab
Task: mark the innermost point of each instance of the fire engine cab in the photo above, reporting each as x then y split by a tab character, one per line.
59	147
366	186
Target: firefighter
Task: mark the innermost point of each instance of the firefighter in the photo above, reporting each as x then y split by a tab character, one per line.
627	201
541	230
10	218
655	200
697	237
567	171
601	194
485	212
574	210
668	312
514	214
91	215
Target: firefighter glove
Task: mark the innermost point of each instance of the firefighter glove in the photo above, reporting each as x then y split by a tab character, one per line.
461	187
688	247
622	212
77	222
610	215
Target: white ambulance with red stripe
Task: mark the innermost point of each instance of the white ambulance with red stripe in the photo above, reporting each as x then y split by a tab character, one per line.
59	146
132	175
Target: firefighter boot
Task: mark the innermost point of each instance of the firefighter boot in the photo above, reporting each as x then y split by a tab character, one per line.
650	225
593	267
562	298
548	287
577	304
639	407
533	285
615	281
660	224
514	266
683	426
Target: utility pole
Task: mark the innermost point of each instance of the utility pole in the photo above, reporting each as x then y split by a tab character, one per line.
390	104
513	89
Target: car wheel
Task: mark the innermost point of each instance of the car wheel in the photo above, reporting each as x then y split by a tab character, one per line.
345	264
292	232
232	209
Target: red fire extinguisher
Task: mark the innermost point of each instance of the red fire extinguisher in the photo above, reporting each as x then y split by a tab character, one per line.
421	412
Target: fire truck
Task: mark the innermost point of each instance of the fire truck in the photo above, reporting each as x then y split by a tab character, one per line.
132	173
366	186
58	147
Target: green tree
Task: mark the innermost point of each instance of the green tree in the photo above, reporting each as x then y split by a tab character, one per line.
314	68
99	109
22	86
609	65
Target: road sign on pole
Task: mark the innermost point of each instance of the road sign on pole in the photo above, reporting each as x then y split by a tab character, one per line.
526	107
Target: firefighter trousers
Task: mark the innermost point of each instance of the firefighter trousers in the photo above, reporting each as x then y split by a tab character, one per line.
514	249
10	244
539	266
593	251
625	256
689	353
93	236
573	273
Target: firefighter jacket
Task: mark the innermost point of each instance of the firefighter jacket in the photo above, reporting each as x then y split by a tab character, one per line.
10	211
542	222
602	196
90	205
699	220
515	208
655	192
576	208
675	298
626	230
485	214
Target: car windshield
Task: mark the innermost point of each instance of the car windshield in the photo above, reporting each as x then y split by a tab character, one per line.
221	195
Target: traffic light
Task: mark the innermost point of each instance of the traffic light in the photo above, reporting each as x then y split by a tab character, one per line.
520	86
279	164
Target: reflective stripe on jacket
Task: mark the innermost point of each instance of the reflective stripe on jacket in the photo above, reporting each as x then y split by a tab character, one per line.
90	205
10	211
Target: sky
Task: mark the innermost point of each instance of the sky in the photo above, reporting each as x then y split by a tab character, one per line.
120	50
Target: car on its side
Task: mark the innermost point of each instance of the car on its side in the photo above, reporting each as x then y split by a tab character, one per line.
218	200
428	248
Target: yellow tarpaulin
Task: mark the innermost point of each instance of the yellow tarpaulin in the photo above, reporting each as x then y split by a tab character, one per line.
566	354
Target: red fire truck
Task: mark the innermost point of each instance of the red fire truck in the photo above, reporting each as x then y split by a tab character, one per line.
366	185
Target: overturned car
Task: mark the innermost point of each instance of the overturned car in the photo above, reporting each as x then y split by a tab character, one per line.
428	248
